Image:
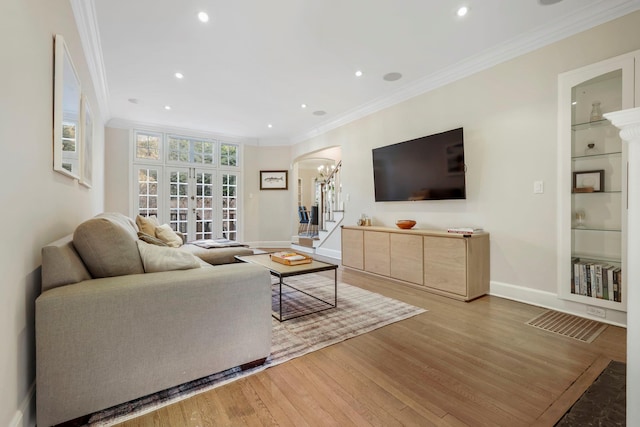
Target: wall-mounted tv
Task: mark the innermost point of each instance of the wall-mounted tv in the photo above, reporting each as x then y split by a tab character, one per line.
427	168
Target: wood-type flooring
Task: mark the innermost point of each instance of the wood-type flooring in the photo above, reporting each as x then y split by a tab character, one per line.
459	364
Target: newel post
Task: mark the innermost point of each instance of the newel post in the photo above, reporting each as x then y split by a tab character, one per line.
628	121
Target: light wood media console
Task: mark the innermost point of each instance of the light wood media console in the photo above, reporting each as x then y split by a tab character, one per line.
444	263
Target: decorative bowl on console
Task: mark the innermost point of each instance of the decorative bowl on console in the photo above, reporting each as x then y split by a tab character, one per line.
405	224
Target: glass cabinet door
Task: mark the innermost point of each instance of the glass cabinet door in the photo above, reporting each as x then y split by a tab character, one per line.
592	178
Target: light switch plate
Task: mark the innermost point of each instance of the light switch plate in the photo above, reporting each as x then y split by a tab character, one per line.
538	187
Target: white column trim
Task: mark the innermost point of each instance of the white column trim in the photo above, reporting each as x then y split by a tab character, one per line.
628	121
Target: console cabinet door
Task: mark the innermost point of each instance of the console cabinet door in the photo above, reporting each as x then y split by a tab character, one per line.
353	248
377	252
407	258
445	264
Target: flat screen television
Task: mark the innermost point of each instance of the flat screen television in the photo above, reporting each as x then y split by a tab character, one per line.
427	168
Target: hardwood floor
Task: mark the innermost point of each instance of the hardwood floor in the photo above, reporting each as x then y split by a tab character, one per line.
459	364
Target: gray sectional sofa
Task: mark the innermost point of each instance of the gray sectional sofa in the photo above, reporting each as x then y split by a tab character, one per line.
108	332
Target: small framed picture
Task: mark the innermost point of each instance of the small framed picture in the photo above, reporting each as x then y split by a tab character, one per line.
274	180
588	181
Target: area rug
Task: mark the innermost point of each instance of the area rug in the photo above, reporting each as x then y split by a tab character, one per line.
358	311
568	325
604	402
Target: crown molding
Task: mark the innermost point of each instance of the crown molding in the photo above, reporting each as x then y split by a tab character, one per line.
136	125
566	26
87	23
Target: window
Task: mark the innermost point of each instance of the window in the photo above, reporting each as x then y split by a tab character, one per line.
148	146
179	201
194	187
147	192
189	150
229	206
228	155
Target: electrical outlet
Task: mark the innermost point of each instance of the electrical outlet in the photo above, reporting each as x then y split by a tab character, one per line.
596	311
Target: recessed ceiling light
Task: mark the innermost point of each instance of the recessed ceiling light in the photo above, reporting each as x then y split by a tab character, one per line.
392	77
359	73
167	107
269	125
574	102
319	113
203	17
462	11
303	106
179	75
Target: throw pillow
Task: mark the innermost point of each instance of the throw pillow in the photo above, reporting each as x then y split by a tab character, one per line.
107	247
150	239
158	258
165	233
147	224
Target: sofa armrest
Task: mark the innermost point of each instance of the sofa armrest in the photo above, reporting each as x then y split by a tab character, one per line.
106	341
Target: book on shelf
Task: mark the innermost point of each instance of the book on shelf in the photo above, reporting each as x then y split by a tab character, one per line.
596	280
464	230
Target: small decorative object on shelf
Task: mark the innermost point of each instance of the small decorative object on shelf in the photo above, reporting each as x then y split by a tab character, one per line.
405	224
588	181
591	149
364	220
580	217
596	112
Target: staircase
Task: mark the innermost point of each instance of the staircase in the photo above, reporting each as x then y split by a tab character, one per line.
330	214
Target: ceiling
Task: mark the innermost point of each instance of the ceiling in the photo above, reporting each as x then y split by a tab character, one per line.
256	62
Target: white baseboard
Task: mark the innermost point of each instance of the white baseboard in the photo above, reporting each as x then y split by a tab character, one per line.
330	253
25	416
550	300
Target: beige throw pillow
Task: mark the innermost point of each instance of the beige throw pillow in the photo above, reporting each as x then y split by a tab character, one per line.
165	233
162	258
147	224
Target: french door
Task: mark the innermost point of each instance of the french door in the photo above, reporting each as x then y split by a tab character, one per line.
190	197
200	203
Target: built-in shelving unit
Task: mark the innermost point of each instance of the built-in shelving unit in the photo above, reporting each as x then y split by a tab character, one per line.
593	183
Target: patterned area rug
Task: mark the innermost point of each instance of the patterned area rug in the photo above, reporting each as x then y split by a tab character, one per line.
568	325
359	311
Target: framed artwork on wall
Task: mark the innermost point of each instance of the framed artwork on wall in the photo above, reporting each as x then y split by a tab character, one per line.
86	159
274	180
67	124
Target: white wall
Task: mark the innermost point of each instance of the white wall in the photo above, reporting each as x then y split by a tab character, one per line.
268	214
509	115
117	176
38	204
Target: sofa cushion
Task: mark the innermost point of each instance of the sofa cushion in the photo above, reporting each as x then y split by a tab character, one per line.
147	224
165	233
158	258
61	264
107	246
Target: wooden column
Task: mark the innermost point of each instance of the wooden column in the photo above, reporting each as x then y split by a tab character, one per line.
628	121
